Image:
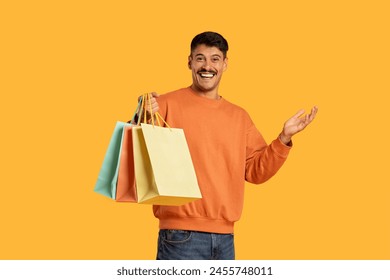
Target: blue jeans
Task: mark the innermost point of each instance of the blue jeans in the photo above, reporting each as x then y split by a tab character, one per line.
194	245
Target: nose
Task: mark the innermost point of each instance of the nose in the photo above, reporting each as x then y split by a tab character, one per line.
206	65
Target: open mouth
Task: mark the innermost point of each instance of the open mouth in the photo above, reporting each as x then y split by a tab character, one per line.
206	75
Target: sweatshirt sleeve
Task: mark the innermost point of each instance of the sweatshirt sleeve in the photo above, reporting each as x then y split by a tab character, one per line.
262	160
163	106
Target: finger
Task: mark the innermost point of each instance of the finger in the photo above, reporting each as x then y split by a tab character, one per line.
152	101
304	121
155	108
315	110
299	113
309	118
313	113
152	105
149	96
152	109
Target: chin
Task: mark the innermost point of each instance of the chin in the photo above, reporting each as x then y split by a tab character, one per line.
206	89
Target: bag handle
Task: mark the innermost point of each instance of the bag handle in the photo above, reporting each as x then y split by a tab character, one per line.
136	111
141	109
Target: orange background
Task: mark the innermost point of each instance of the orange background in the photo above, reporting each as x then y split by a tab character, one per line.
71	69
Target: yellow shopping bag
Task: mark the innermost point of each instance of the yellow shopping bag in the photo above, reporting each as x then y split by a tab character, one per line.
163	166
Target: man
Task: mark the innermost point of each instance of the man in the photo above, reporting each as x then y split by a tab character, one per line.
226	149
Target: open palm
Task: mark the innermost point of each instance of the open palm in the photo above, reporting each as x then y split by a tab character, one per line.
297	123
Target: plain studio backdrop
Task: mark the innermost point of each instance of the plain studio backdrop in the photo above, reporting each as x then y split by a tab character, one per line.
71	69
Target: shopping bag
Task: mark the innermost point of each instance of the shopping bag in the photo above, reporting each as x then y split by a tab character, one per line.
163	166
126	189
108	175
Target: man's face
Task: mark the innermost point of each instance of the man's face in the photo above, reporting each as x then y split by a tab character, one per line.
207	65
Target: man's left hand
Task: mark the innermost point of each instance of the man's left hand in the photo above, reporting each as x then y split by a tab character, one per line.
297	123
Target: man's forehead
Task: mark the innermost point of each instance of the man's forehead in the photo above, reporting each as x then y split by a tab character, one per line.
206	51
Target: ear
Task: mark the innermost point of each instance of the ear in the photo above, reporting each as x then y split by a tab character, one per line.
189	62
225	64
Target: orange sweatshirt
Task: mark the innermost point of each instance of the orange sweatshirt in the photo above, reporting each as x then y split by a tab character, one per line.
226	149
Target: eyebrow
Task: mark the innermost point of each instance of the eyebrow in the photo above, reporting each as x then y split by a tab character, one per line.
213	55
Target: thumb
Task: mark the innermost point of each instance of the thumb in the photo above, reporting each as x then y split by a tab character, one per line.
154	94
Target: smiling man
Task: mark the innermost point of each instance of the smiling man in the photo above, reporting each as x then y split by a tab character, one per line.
207	64
226	150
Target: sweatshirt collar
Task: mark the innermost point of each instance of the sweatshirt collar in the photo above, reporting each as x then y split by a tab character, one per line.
198	98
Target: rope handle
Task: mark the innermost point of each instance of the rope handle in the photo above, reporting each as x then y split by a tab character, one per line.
141	110
159	116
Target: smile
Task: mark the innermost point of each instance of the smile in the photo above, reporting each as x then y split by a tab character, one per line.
207	75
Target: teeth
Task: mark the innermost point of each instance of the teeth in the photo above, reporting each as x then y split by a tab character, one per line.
206	75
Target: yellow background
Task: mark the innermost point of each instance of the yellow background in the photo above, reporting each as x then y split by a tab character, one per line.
71	69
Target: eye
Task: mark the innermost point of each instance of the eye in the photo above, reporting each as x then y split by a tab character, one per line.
215	59
200	58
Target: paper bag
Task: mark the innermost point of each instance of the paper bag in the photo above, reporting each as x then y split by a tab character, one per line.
164	171
126	189
108	175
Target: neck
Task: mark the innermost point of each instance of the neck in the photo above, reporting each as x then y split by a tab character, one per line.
210	94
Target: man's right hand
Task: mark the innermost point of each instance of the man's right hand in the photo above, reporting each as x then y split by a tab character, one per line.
150	104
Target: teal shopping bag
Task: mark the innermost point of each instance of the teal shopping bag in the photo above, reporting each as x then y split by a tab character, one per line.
108	175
